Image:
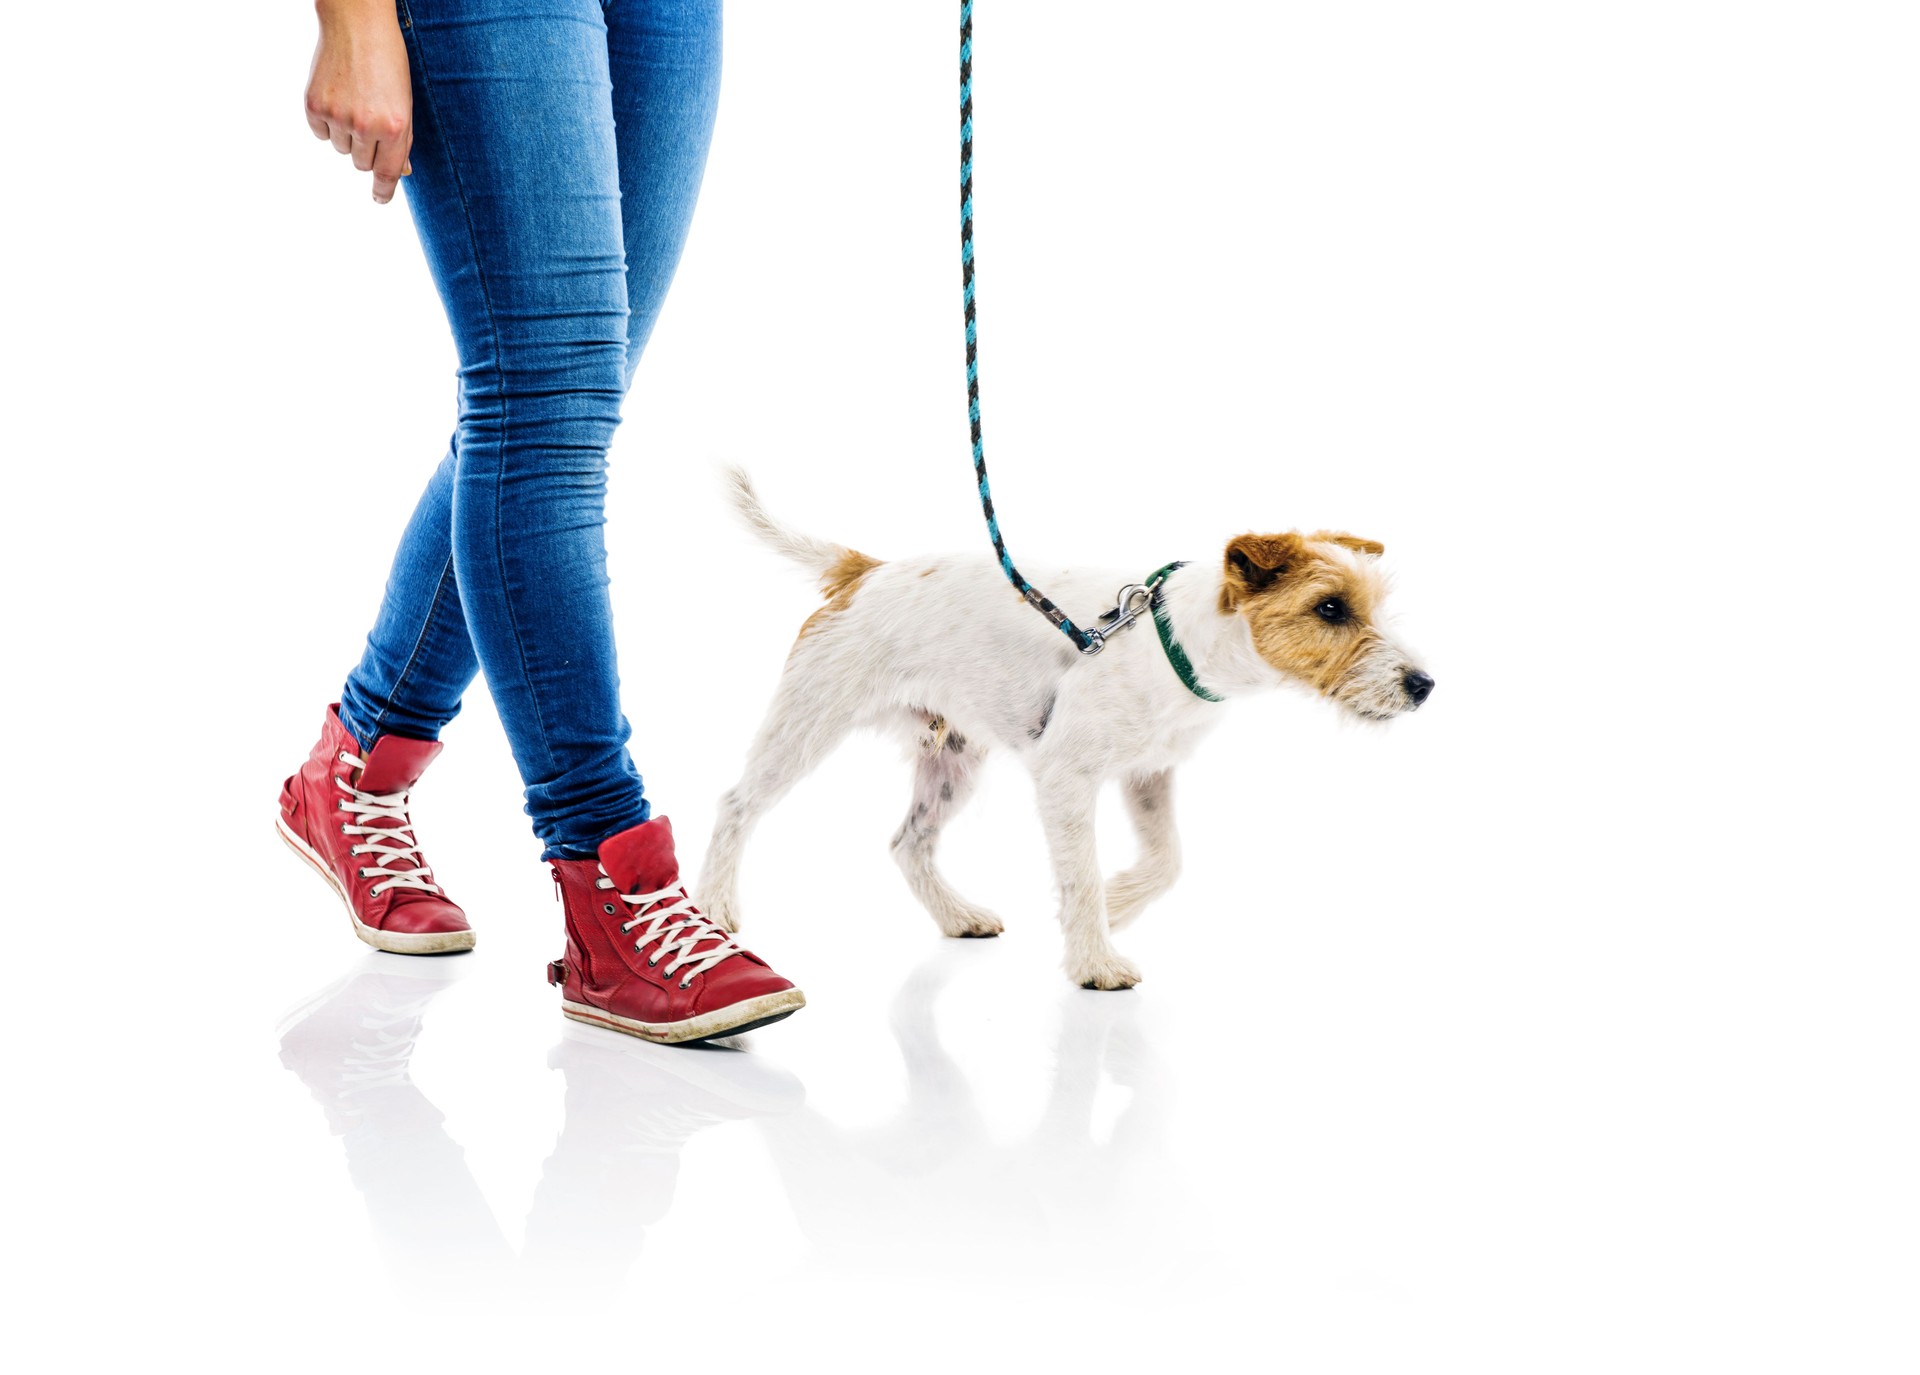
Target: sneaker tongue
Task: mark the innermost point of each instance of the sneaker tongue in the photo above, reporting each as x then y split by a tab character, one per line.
395	763
640	859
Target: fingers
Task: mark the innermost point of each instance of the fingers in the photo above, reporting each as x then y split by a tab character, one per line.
390	164
377	135
379	146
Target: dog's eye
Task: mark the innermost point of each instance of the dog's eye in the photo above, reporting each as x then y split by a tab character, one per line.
1333	611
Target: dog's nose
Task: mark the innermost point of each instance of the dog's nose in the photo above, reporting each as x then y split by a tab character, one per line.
1419	685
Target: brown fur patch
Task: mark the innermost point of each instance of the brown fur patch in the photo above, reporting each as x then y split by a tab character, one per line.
837	585
1275	582
1372	548
1257	562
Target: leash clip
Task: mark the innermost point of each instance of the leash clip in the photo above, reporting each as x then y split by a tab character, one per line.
1133	601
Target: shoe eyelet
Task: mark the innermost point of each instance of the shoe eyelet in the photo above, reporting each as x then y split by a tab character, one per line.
609	908
363	873
686	983
652	962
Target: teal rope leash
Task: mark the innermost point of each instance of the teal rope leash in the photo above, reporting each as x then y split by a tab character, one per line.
1087	642
1134	598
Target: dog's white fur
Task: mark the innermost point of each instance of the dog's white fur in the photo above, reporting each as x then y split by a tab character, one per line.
942	653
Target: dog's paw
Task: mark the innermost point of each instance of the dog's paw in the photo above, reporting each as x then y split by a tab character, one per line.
722	912
1108	971
969	923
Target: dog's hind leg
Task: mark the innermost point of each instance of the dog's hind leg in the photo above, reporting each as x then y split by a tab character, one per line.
807	719
1150	803
943	779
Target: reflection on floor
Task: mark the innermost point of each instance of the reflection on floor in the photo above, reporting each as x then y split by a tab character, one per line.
930	1180
933	1178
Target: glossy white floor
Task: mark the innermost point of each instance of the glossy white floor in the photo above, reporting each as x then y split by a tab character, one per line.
1436	1053
1566	1026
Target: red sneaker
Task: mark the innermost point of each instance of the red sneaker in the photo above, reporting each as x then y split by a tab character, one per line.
347	817
640	957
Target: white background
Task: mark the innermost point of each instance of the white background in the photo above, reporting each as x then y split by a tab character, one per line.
1569	1025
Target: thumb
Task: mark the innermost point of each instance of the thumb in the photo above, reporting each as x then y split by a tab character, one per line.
390	163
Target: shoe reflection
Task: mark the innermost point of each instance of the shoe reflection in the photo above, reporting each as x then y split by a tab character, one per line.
629	1109
350	1044
931	1186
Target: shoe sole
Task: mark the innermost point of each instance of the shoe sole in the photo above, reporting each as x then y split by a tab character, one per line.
393	942
725	1021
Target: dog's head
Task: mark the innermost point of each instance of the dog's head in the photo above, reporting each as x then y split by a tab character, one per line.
1312	603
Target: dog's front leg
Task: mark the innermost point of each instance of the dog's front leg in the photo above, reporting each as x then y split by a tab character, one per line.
1066	811
1150	804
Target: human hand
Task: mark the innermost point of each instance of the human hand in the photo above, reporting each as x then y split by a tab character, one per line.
359	95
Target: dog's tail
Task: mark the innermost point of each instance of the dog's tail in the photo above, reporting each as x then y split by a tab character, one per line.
835	565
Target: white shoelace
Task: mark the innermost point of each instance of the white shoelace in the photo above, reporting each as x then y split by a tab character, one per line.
399	843
678	926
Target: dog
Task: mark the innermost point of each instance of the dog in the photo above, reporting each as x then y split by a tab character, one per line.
943	653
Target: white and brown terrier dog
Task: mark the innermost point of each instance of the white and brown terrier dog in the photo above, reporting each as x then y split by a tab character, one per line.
944	654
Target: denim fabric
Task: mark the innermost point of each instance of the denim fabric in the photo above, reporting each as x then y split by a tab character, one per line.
558	151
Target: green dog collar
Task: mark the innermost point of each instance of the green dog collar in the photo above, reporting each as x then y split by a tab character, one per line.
1182	665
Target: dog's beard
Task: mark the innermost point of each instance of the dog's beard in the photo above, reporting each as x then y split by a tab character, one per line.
1375	688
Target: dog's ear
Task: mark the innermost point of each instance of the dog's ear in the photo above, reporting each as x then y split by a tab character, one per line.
1257	562
1372	548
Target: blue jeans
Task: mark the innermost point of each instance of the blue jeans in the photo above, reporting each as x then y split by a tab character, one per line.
558	150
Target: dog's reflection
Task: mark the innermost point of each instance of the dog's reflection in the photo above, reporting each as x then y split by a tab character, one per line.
934	1188
931	1185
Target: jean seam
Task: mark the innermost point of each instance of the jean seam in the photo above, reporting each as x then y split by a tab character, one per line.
426	628
500	376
